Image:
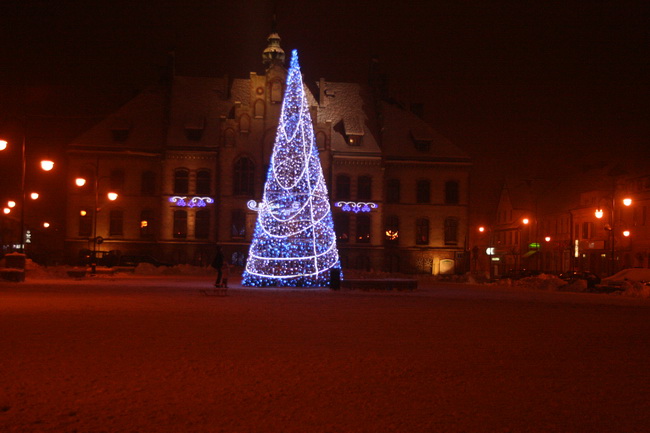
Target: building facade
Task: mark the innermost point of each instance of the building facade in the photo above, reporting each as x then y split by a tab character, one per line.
186	156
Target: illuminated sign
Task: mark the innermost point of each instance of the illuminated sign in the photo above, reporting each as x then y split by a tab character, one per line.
191	201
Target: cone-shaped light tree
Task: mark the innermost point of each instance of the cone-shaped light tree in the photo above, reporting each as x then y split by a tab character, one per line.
294	243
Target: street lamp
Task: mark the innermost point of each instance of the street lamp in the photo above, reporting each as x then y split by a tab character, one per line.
489	251
112	196
46	165
599	213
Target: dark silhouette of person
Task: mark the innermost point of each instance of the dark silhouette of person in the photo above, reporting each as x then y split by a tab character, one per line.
217	263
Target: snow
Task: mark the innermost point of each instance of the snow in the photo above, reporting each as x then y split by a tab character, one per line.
141	352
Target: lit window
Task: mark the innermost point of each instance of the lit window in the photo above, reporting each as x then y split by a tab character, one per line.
363	228
342	227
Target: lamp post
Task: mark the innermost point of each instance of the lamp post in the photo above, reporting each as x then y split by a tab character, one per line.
46	165
599	213
112	196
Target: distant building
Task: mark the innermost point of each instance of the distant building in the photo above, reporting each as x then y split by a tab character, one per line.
186	156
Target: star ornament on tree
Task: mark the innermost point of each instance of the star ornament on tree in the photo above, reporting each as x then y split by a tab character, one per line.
294	242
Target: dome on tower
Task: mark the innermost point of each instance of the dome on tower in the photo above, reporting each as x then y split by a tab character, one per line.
273	53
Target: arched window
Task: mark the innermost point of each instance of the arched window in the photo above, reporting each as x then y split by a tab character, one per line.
259	109
147	224
276	92
391	230
423	191
244	123
452	195
229	137
342	227
363	228
422	231
393	191
181	181
202	224
244	177
203	179
180	224
321	140
364	188
343	187
148	183
451	231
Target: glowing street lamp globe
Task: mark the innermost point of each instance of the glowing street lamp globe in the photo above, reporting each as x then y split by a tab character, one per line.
47	165
3	144
6	211
34	196
599	213
80	181
112	196
627	201
11	204
626	233
525	220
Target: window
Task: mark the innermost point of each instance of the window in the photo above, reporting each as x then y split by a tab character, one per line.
181	181
343	187
259	109
393	191
587	229
85	223
363	228
422	231
342	227
276	92
116	222
451	231
180	224
203	182
147	224
391	232
364	188
238	226
423	191
117	180
244	177
202	224
452	195
148	183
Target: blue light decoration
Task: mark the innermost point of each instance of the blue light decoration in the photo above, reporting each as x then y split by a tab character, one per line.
294	243
356	207
192	202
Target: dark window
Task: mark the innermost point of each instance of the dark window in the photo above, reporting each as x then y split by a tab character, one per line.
117	180
452	195
391	232
451	231
364	188
586	230
116	223
203	182
148	183
85	223
202	224
194	134
422	231
363	228
181	181
147	224
244	179
343	187
393	191
180	224
238	227
342	227
423	191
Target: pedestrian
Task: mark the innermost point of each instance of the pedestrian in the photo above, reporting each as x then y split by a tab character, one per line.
217	263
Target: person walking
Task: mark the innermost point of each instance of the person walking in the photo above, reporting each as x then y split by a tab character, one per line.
217	263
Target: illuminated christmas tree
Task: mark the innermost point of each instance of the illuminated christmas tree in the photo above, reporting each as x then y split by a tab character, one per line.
294	242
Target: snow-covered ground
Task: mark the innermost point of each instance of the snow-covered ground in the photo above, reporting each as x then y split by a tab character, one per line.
150	353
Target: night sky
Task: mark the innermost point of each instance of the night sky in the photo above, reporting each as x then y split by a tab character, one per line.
515	83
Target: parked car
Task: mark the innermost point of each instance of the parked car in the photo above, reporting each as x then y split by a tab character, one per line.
519	274
621	278
591	278
133	260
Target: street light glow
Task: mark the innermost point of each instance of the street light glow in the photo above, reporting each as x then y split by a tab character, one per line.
46	224
481	229
83	213
112	196
547	239
47	165
599	213
11	204
626	233
34	195
3	144
80	181
6	210
525	220
627	201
